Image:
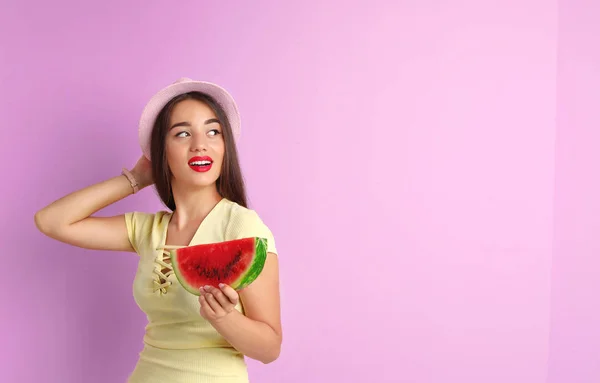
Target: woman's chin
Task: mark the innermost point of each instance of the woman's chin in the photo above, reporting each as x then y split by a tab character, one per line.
189	178
200	182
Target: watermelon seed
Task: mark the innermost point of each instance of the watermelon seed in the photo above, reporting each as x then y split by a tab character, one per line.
219	273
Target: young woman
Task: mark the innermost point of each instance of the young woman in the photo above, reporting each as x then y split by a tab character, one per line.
188	134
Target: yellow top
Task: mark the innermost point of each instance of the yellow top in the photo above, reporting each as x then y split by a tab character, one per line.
174	321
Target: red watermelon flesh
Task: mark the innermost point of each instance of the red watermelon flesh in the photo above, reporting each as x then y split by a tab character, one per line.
236	263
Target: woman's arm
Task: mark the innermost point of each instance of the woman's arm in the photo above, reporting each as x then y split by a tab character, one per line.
69	220
258	334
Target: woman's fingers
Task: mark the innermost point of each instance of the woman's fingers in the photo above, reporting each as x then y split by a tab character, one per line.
216	302
230	293
214	305
205	307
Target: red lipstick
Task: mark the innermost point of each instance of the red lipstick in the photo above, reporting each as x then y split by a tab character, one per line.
200	164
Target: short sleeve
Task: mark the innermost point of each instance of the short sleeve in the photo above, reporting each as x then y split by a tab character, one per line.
130	222
138	228
246	223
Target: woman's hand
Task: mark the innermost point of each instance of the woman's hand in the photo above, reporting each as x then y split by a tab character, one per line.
216	304
142	171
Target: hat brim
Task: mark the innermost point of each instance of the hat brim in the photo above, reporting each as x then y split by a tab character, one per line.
162	97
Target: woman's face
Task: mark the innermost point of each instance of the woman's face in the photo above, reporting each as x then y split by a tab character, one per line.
194	144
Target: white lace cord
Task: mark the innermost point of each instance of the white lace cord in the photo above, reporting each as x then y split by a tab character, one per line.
158	285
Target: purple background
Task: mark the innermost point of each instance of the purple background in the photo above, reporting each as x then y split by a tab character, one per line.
429	170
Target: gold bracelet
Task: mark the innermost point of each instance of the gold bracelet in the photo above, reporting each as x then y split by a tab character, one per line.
132	180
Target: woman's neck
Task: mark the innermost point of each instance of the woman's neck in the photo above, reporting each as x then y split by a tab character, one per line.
193	205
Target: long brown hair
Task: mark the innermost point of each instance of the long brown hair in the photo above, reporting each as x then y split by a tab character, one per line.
230	183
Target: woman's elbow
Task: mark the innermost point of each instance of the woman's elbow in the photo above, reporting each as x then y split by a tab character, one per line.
272	355
48	225
41	223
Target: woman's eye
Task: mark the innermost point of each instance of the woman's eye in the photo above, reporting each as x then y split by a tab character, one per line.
181	134
214	132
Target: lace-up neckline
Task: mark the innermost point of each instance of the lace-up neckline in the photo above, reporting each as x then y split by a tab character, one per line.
162	271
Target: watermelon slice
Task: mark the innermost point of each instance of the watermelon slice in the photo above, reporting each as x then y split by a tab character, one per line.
236	263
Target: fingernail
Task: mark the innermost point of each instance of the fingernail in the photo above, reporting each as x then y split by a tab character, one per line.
221	285
207	287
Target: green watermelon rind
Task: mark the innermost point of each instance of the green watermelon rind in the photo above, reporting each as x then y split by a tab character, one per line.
257	265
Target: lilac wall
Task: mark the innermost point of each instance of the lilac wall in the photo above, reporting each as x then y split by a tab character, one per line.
404	156
575	316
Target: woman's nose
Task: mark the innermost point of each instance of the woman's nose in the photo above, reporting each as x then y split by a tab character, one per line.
198	144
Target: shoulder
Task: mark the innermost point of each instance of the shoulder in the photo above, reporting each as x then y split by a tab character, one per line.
241	217
137	220
142	226
240	214
244	223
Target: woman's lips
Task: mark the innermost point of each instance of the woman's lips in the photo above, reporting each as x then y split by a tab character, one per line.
200	164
